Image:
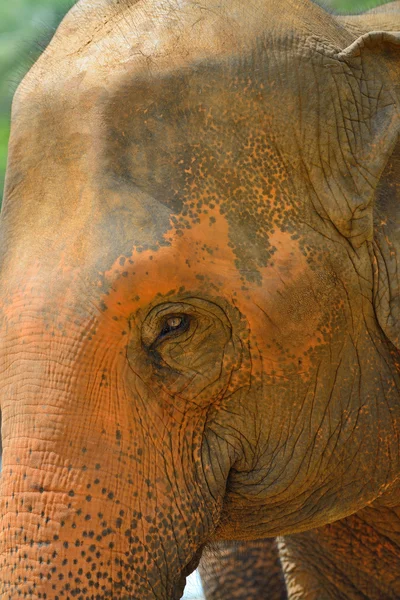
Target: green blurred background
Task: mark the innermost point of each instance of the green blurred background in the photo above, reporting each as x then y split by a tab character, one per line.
26	26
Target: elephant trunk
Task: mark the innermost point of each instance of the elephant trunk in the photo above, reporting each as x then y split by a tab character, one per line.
101	494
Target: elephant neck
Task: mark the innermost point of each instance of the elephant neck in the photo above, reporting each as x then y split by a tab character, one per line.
356	557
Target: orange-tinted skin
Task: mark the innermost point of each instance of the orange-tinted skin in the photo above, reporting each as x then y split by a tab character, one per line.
156	177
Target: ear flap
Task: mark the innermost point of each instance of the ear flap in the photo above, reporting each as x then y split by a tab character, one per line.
368	122
374	62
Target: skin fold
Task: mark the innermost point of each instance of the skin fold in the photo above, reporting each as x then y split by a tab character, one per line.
200	300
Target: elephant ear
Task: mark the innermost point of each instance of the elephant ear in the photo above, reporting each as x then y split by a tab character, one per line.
374	62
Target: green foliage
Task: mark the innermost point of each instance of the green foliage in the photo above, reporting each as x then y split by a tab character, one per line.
26	26
352	7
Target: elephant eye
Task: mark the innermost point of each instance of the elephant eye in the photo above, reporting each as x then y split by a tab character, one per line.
174	325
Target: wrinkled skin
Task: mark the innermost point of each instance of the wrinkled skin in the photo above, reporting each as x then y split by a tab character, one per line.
252	569
241	570
200	301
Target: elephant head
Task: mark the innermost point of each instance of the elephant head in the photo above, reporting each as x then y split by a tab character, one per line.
199	300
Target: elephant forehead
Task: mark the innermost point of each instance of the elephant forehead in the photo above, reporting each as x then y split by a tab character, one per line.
201	143
124	145
148	34
100	39
153	35
135	158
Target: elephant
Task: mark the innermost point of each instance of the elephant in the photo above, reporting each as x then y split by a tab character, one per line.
200	300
